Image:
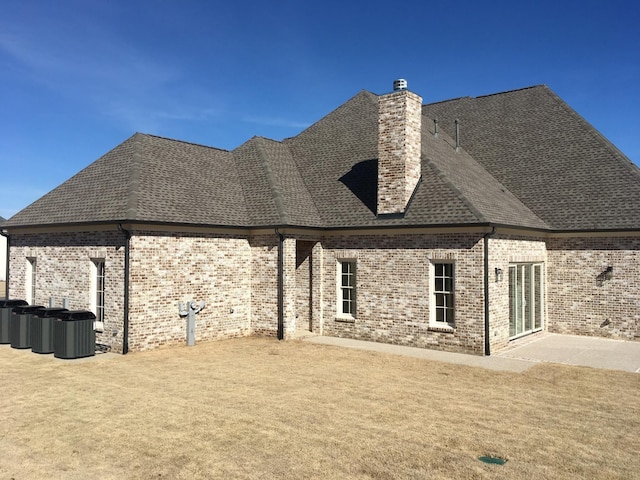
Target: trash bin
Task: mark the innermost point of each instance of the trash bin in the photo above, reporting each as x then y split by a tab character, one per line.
6	306
42	322
74	336
20	325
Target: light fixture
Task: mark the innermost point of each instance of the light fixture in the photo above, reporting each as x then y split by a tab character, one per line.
499	274
608	273
605	276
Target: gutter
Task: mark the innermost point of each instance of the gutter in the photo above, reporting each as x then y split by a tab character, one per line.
6	285
487	345
280	284
125	323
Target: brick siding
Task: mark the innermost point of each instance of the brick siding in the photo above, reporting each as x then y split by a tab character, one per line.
63	271
579	302
238	278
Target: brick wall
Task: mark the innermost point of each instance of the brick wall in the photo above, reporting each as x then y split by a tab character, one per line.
503	251
63	271
237	277
169	268
264	285
582	303
393	289
165	269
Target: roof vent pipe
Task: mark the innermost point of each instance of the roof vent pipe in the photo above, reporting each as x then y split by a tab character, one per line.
457	134
400	84
435	127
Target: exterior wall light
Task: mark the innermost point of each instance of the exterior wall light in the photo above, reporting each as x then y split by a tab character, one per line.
605	276
499	274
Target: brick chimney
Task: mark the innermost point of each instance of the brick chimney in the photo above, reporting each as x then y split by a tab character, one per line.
399	131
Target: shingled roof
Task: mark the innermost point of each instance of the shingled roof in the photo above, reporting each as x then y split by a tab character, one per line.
548	156
527	160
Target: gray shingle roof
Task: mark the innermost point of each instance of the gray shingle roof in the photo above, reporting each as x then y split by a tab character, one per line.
527	160
337	158
548	156
147	178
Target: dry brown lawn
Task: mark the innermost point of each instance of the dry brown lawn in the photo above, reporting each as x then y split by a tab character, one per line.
257	408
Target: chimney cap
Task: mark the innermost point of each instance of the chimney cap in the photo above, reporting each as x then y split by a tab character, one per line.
399	84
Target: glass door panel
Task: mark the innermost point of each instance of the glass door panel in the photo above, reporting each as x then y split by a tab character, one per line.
513	301
537	296
525	298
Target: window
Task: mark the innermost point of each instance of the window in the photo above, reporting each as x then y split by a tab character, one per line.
347	289
97	289
443	296
30	281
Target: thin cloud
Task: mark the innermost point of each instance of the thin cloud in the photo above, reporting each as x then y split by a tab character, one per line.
107	75
275	122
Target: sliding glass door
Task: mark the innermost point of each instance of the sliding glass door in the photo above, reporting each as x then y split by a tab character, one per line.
526	302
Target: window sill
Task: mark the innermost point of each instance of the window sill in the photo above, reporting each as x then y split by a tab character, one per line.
441	328
346	319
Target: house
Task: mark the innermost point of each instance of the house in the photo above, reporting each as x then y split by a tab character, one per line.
457	225
3	259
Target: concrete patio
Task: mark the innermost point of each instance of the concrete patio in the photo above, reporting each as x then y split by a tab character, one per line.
523	353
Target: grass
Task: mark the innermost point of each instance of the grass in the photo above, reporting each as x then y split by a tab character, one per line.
258	408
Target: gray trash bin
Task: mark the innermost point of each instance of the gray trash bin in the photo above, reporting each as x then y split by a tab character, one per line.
6	307
42	322
74	336
20	325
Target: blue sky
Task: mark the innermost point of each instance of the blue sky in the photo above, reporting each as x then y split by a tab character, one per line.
78	77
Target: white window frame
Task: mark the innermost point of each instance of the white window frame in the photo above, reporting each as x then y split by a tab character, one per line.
341	287
449	308
30	280
97	306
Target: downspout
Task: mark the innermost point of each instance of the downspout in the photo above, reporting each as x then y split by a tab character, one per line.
487	345
280	285
125	323
6	284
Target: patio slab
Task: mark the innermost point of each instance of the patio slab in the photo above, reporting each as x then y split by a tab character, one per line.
578	350
522	354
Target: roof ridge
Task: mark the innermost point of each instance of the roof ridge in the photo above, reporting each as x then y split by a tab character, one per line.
593	131
512	90
445	179
321	119
134	180
181	141
271	180
468	97
467	198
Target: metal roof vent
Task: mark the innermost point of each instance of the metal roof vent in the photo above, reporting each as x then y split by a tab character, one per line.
400	84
